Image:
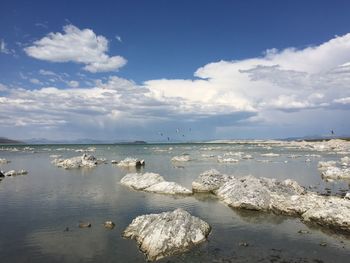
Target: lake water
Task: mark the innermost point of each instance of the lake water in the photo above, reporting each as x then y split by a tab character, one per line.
36	208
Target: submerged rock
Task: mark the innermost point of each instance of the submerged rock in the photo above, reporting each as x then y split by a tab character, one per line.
270	154
181	158
1	174
152	182
4	161
85	160
227	160
14	173
168	233
84	225
109	225
131	162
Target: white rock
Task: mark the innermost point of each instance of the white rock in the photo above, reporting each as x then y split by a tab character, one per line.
326	164
347	196
170	188
227	160
4	161
76	162
14	173
131	162
181	158
270	154
141	181
247	156
168	233
345	161
209	181
336	173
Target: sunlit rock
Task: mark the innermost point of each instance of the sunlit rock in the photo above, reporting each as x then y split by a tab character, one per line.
152	182
336	173
209	181
181	158
324	165
227	160
131	162
168	233
85	160
141	181
171	188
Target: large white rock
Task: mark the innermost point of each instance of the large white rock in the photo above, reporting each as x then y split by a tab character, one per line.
285	197
336	173
152	182
168	233
170	188
333	212
141	181
209	181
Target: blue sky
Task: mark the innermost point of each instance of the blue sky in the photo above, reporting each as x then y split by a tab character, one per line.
138	69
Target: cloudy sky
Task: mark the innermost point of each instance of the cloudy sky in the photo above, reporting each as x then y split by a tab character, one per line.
187	70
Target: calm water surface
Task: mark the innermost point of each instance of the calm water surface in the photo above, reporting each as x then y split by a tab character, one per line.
35	209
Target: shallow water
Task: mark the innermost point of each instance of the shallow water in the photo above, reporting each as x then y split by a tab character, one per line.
35	209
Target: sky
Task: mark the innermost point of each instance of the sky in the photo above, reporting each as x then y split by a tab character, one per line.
187	70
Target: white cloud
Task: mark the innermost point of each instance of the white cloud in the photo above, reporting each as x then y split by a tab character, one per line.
288	91
118	38
79	46
35	81
73	84
5	50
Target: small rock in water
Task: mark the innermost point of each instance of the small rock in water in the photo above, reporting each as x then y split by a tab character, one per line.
4	161
302	231
109	224
66	229
84	224
1	174
131	162
168	233
181	158
243	244
323	244
347	196
114	161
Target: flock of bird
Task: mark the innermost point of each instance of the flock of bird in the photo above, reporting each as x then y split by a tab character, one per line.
179	133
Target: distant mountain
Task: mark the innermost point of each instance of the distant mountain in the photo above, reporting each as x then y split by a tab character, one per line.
8	141
317	138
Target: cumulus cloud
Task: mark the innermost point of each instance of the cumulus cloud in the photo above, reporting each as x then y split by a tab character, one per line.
284	91
79	46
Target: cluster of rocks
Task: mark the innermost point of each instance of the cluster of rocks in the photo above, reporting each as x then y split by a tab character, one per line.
284	197
12	173
331	169
85	160
152	182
